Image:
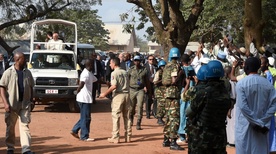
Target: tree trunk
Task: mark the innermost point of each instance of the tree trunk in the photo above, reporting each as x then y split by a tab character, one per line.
253	23
174	31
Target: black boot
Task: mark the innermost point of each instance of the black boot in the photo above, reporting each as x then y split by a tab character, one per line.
175	146
166	142
138	125
131	119
160	122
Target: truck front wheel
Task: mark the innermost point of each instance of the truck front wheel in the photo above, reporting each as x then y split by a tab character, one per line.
73	106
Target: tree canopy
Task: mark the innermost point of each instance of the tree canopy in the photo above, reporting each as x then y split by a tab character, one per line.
208	19
170	26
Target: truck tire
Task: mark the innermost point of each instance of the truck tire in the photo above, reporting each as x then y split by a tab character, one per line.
73	106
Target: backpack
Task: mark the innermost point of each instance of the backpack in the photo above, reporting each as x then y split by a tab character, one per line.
166	75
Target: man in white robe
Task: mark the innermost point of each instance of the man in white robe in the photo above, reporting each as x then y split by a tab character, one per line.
255	106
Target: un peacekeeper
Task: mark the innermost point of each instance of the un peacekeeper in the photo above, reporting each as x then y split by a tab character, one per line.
170	78
208	109
189	95
138	78
159	92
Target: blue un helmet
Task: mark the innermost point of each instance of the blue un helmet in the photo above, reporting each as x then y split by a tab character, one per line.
174	53
201	74
161	63
215	69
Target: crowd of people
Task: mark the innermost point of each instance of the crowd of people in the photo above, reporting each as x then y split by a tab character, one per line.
216	96
209	98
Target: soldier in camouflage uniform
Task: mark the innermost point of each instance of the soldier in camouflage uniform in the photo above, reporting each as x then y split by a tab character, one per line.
159	92
208	111
170	78
189	95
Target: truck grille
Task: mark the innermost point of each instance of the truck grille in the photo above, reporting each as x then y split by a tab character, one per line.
52	81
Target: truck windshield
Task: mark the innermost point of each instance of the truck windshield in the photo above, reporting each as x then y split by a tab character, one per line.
52	61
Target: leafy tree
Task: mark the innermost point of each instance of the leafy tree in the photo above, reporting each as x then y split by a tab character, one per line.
24	11
218	18
269	15
171	27
143	45
90	27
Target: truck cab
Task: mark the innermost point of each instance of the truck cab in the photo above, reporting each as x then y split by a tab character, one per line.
55	70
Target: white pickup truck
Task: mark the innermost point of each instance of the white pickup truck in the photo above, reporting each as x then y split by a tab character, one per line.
55	71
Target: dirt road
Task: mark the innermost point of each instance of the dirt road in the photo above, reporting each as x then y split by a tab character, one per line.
50	134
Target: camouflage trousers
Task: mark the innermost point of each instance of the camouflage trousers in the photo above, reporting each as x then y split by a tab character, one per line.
172	118
204	140
161	111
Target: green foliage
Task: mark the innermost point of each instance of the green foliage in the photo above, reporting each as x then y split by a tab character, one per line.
269	15
143	45
219	17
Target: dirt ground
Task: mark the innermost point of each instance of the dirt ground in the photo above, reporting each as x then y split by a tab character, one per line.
51	133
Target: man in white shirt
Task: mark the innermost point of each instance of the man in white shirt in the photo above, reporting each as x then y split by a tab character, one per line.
55	43
84	100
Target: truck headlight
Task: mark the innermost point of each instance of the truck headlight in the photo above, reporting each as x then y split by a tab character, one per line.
73	82
34	79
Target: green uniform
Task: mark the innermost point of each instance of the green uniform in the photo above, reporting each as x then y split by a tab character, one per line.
137	79
210	106
191	128
172	106
160	95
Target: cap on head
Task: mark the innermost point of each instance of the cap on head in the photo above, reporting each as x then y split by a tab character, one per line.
221	55
271	61
242	49
137	57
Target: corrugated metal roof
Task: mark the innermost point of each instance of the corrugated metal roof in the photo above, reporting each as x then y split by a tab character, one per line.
117	36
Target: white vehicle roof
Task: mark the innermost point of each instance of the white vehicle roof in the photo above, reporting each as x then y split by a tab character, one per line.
54	21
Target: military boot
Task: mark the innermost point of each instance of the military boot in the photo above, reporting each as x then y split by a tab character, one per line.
131	119
160	122
166	142
175	146
138	125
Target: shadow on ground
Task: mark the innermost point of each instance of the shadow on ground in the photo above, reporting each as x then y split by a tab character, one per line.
101	105
39	148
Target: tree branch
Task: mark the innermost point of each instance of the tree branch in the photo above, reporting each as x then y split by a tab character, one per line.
197	8
33	15
6	46
165	12
147	6
136	2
